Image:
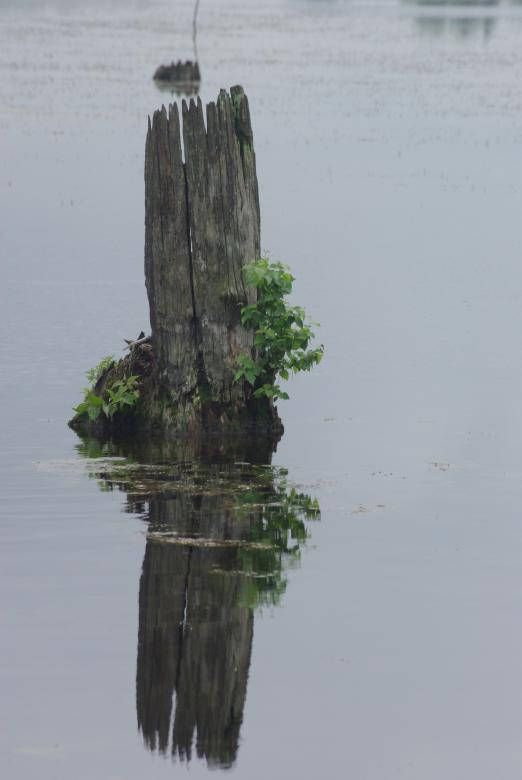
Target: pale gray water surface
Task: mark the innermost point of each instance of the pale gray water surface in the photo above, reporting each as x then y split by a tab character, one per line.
389	148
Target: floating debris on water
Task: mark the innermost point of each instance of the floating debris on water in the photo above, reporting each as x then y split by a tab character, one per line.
193	541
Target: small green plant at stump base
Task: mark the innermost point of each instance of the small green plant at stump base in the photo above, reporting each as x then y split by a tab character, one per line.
282	334
119	396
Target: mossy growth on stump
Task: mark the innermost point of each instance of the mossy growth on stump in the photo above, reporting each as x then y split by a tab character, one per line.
202	226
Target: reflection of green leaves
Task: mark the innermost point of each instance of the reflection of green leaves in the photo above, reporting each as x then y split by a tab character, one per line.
273	516
279	518
94	448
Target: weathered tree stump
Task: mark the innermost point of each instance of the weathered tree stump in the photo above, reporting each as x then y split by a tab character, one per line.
202	225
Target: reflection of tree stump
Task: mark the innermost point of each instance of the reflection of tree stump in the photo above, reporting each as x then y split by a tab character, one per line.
195	636
220	538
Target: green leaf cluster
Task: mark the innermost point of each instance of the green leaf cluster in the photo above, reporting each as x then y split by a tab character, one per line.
92	405
281	333
119	396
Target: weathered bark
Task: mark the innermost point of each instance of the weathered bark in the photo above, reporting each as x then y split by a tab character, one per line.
168	274
202	225
224	232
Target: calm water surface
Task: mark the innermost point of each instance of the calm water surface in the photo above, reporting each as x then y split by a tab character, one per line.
354	609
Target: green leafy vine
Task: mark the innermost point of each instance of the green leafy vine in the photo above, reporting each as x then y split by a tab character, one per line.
281	333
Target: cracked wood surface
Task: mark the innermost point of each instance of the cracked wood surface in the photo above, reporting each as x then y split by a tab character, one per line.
202	224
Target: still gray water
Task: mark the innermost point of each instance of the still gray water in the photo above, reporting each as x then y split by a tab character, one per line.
354	609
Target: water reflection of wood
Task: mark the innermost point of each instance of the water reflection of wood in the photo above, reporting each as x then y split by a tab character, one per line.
181	89
220	537
179	450
195	634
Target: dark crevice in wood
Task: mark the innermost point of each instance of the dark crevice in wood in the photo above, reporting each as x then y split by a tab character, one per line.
191	265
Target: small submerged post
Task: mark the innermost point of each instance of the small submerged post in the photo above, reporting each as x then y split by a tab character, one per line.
183	75
180	74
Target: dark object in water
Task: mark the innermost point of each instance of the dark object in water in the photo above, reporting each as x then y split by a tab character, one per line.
179	73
